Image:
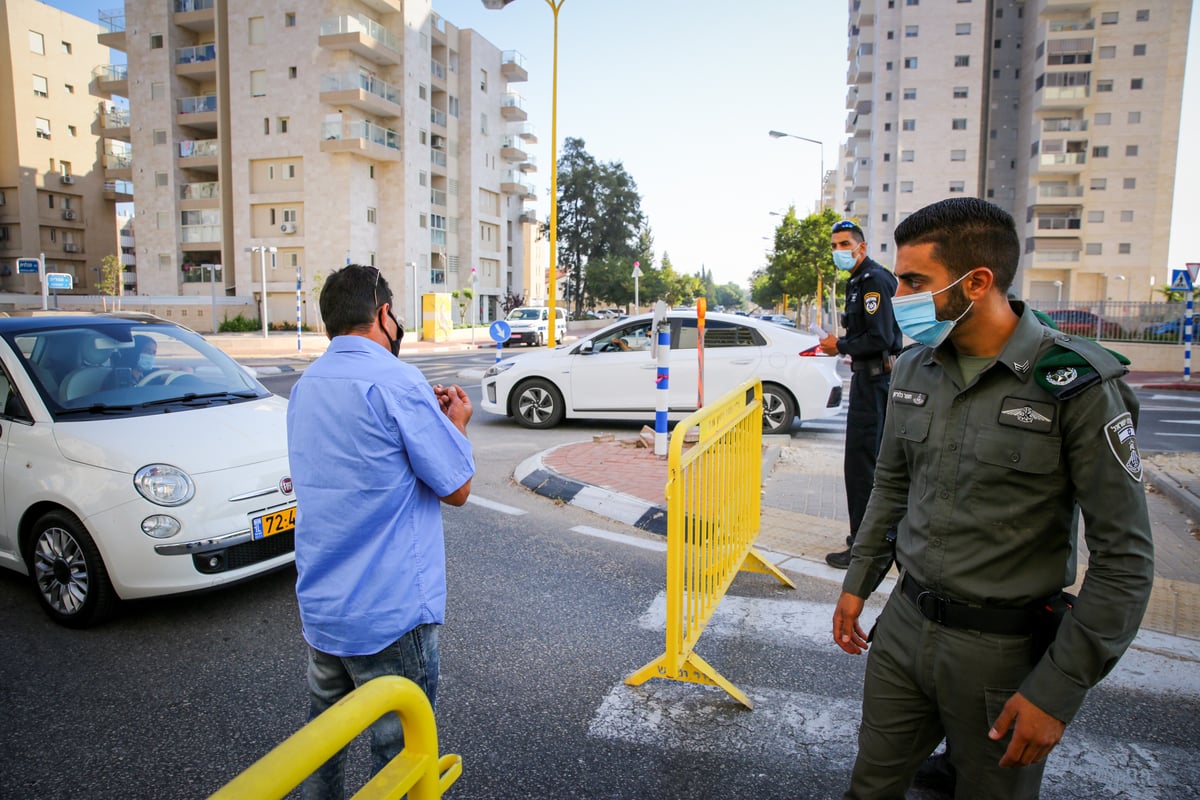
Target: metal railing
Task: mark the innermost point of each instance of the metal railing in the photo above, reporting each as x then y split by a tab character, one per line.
196	54
361	129
200	191
198	105
713	518
112	20
193	234
1118	320
184	6
199	148
356	80
358	23
116	118
512	57
437	68
111	72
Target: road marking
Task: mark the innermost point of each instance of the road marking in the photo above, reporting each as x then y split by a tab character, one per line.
621	538
1164	433
512	511
1180	421
1175	397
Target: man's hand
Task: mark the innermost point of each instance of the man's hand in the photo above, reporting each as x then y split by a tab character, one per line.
829	345
846	631
1034	736
455	404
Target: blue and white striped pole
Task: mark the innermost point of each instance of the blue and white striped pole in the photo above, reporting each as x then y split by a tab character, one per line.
297	308
1187	340
663	386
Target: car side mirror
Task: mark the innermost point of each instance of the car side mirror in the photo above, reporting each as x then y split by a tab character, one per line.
585	348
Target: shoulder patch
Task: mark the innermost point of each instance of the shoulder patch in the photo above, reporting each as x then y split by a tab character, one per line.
871	302
1121	436
1072	365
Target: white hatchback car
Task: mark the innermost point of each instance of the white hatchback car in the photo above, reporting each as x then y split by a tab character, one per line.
128	477
611	373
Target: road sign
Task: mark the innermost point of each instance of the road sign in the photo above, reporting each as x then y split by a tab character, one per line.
1181	280
1193	268
500	331
637	269
59	280
28	265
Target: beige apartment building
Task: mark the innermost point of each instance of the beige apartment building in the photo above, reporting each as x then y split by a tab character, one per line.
308	135
1063	112
56	195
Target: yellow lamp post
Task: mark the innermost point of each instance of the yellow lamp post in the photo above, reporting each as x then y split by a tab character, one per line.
552	334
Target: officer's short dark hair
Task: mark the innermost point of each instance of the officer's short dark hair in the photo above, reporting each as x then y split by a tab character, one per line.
966	233
847	225
351	296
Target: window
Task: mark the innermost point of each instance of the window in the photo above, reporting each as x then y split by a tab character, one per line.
422	178
908	155
908	125
910	63
1129	183
289	19
906	187
1099	184
291	73
162	220
1094	249
910	94
37	43
164	261
71	131
157	89
887	96
960	92
1103	118
995	74
258	83
64	168
69	88
1095	216
483	80
1100	151
41	87
422	92
160	136
958	155
1136	83
1124	248
371	214
156	41
270	172
962	29
258	30
1143	15
887	126
885	218
1134	118
962	61
289	215
289	172
43	127
66	46
1104	86
912	2
957	187
452	106
910	31
281	125
160	179
483	123
1108	51
958	124
1126	216
891	35
1139	49
887	187
1109	18
266	126
887	67
422	221
1131	151
271	212
887	157
371	171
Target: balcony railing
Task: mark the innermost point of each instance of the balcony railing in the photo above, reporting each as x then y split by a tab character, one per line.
512	57
209	190
118	160
1059	223
111	72
1059	159
1060	191
112	21
437	157
198	105
513	100
1065	25
191	234
119	187
195	55
360	24
437	68
184	6
116	118
199	148
1064	125
437	197
356	80
437	117
361	129
1065	92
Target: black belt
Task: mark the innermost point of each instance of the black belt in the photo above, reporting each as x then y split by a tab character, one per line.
934	607
860	364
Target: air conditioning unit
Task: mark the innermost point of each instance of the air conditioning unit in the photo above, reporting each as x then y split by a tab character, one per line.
438	142
288	227
67	179
69	214
71	247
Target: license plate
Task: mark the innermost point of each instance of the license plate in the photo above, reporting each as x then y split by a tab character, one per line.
280	521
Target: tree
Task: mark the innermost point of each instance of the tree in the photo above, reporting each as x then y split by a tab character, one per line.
463	297
512	301
801	253
730	296
109	282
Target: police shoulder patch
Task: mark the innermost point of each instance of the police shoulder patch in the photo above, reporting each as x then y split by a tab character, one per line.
1121	436
871	302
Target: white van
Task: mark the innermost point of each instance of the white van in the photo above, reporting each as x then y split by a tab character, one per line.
530	325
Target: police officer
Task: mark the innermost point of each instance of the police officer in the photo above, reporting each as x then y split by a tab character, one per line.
997	428
872	341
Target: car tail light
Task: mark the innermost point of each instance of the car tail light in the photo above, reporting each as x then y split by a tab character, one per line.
815	350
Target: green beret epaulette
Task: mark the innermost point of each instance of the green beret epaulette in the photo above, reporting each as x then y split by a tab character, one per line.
1073	365
1044	318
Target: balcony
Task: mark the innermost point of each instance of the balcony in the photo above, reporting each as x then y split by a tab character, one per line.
200	154
512	107
1060	162
118	164
118	191
1058	225
200	237
437	197
113	23
1056	194
205	194
1066	6
511	183
1054	257
437	159
1061	125
195	15
198	63
526	131
437	117
362	138
363	36
112	79
851	96
1071	25
437	70
114	124
362	91
512	67
198	112
528	165
1073	97
512	149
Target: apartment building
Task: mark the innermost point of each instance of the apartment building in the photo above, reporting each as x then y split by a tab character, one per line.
305	136
56	197
1063	112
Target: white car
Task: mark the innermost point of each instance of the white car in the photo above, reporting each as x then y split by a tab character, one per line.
611	373
124	479
530	325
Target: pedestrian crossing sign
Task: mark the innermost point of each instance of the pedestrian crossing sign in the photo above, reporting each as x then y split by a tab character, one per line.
1181	280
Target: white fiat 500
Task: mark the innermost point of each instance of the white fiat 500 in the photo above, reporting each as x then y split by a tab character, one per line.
138	460
611	373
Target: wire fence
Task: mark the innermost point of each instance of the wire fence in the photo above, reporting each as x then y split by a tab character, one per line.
1120	321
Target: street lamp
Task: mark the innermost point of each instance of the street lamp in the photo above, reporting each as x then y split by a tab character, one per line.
416	327
262	251
821	207
553	289
1058	285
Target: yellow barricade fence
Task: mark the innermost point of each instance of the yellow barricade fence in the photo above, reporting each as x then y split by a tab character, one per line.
417	771
713	518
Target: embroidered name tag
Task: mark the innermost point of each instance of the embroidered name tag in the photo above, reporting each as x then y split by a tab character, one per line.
905	397
1017	412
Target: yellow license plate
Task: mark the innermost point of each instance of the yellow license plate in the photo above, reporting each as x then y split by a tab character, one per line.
280	521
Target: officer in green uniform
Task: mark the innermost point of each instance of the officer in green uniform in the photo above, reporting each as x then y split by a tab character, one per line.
995	429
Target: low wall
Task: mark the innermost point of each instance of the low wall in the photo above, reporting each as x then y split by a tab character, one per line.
1146	357
196	312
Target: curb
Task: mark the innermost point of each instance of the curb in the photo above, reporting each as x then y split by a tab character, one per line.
1175	490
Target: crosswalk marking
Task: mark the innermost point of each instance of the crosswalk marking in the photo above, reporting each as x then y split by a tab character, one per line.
512	511
600	533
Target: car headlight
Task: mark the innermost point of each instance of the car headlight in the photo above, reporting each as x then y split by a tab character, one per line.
496	369
160	526
164	485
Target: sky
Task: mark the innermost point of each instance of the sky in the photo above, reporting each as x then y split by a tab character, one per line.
683	93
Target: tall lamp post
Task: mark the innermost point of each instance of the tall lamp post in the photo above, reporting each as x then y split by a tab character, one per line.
555	6
821	207
262	251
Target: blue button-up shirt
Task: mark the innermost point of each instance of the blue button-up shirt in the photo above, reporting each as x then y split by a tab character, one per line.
371	452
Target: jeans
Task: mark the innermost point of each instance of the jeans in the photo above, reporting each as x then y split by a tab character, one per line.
330	678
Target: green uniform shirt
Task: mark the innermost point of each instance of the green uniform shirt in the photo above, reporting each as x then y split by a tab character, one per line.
981	480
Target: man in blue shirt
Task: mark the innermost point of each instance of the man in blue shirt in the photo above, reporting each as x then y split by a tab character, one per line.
374	451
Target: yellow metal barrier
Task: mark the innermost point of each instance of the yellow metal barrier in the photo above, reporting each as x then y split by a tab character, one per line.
417	771
713	519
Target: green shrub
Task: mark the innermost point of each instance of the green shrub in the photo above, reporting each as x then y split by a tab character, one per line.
239	324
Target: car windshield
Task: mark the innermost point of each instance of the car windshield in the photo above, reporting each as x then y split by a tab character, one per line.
117	367
525	313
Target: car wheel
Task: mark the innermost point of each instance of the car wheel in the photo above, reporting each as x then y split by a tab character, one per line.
778	409
537	404
541	340
69	575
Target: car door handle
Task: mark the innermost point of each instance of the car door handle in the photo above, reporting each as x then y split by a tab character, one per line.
651	365
741	361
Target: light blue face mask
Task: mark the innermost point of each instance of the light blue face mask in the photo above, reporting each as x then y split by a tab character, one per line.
146	362
844	260
917	316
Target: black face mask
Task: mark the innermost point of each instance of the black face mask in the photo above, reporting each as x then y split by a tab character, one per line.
393	344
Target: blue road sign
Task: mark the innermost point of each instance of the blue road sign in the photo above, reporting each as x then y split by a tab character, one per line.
500	331
58	280
28	266
1181	280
